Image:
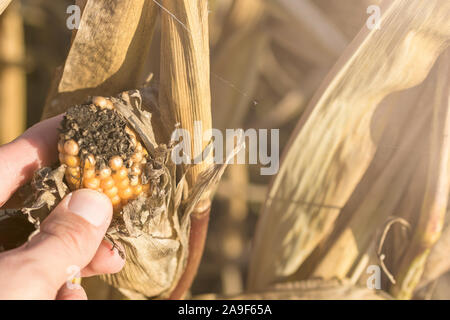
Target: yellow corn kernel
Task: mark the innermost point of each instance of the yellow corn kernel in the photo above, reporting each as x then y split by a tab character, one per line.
71	148
74	181
89	162
120	174
89	174
71	161
136	170
126	193
116	200
105	173
134	181
116	163
111	192
137	190
93	183
137	157
123	184
107	183
99	102
74	172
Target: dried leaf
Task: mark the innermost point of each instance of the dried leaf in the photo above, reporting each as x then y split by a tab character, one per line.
437	263
400	163
332	147
435	200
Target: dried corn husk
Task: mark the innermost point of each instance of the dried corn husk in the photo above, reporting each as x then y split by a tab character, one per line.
107	54
185	94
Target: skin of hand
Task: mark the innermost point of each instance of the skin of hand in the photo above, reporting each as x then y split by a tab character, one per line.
70	238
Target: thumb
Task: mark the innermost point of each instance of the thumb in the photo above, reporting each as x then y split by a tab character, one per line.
70	236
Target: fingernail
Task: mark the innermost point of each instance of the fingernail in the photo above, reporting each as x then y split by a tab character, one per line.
91	205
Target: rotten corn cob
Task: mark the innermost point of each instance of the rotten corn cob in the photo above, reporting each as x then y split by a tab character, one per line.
102	152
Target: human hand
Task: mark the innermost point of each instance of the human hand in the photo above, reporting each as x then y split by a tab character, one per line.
70	237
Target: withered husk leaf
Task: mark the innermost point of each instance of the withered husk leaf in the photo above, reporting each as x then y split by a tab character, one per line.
45	190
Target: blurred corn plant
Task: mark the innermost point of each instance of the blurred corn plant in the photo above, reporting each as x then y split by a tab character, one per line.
12	74
363	112
361	154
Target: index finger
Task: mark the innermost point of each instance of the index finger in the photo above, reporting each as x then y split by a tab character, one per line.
19	159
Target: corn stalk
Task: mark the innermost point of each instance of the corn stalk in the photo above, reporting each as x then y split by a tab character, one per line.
12	75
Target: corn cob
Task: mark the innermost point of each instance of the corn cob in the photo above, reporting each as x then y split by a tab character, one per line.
102	152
